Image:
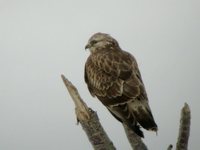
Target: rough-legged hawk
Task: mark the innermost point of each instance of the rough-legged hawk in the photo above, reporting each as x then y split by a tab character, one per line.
112	75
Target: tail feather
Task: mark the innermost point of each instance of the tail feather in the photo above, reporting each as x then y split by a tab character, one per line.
136	129
134	114
144	117
122	114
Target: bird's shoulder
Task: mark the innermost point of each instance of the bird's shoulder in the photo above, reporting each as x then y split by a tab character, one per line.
116	59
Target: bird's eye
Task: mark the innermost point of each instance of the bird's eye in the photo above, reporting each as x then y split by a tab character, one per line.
93	42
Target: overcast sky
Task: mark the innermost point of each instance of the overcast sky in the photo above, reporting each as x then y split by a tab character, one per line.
42	39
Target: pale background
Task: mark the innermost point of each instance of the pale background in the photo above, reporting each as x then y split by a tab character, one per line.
42	39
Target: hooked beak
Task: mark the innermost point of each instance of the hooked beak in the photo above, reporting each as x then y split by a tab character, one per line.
87	46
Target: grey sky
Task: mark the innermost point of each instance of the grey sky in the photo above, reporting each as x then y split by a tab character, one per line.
41	39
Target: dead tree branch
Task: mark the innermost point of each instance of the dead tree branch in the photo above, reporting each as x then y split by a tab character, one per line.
89	120
184	129
134	140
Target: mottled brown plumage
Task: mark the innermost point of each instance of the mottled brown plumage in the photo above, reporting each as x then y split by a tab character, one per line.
112	75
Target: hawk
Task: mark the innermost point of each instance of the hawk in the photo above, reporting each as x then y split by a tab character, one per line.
112	75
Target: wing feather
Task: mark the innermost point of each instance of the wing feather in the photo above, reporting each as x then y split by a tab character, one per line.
112	73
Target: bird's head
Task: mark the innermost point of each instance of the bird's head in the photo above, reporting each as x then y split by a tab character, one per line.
100	41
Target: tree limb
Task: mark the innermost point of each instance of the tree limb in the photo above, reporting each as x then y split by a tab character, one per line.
89	120
184	129
134	140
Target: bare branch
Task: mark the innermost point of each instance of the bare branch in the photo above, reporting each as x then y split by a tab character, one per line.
134	139
89	120
81	108
184	129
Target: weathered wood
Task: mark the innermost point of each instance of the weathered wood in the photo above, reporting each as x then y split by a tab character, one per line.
134	140
89	120
184	129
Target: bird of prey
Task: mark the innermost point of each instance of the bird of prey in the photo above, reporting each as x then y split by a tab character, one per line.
112	75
